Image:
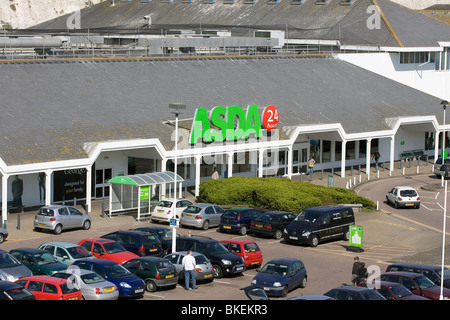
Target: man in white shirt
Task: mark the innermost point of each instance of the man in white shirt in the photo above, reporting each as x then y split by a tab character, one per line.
188	264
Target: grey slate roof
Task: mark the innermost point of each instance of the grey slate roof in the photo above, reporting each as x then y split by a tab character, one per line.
51	108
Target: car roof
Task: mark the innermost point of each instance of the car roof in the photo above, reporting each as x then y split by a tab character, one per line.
149	258
55	206
171	199
62	244
185	253
140	232
405	187
284	260
98	261
78	271
417	265
352	288
30	250
327	208
51	279
276	212
203	205
7	285
102	240
402	273
238	241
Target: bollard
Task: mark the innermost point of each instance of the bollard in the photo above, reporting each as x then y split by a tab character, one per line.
312	173
403	170
321	177
378	205
103	207
418	168
75	201
18	219
301	176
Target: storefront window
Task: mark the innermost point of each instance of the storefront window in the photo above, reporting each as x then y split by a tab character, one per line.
429	140
350	151
326	151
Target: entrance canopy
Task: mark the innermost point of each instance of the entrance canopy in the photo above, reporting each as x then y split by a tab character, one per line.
138	192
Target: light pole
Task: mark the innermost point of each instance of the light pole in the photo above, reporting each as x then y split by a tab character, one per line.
444	104
177	107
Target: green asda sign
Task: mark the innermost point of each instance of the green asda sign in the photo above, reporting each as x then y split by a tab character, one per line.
232	123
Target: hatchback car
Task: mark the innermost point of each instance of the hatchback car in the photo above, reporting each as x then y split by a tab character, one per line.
248	250
11	269
442	170
138	242
201	215
92	285
279	276
40	262
164	235
13	291
66	252
394	291
431	272
50	288
163	210
403	196
271	224
238	220
203	268
3	234
354	293
416	283
58	218
156	272
107	249
129	285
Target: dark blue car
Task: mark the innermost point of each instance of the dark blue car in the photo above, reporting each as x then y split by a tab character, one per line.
139	242
279	276
238	220
129	285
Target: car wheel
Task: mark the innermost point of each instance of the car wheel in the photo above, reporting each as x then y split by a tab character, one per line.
285	291
58	229
243	231
150	286
417	207
205	225
396	205
314	241
278	234
2	237
218	273
86	225
346	235
303	284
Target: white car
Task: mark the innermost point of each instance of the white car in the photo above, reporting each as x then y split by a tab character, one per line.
163	210
403	196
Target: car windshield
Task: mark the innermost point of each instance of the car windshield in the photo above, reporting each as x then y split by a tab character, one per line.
192	209
78	252
408	193
275	269
91	278
19	293
400	291
165	204
44	258
45	212
372	295
7	261
424	282
116	270
165	234
149	239
308	216
216	248
113	247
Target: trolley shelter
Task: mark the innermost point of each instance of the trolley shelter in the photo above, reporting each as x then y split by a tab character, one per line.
138	192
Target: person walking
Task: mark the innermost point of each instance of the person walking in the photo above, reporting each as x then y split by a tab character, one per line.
311	164
362	273
188	264
215	174
355	269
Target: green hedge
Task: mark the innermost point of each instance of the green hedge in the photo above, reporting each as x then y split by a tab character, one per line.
276	194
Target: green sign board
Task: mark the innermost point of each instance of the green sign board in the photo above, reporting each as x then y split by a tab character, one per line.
144	193
444	154
355	236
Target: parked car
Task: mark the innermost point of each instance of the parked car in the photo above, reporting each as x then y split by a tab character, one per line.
271	224
354	293
138	242
129	285
403	196
279	276
58	218
50	288
164	235
66	252
11	269
107	249
156	272
394	291
92	285
254	293
223	261
321	223
238	220
416	283
40	262
13	291
163	210
201	215
431	272
204	270
3	234
442	170
247	249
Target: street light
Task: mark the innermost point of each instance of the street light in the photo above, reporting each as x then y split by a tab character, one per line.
177	107
444	104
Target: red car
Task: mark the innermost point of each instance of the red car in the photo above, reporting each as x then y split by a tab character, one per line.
107	249
51	288
395	291
246	249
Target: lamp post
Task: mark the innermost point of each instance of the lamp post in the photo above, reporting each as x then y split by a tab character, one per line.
444	104
177	107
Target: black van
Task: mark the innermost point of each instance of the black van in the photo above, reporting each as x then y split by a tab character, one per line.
320	223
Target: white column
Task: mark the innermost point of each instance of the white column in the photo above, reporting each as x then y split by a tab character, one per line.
290	162
260	162
391	155
163	185
368	157
198	161
4	199
89	189
436	145
343	156
48	187
230	160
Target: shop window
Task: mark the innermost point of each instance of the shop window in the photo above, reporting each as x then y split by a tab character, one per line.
429	140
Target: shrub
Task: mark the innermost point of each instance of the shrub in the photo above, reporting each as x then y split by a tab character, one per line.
276	194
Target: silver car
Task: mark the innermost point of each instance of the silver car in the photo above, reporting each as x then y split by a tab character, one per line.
203	267
66	252
92	285
11	269
58	218
3	234
201	215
